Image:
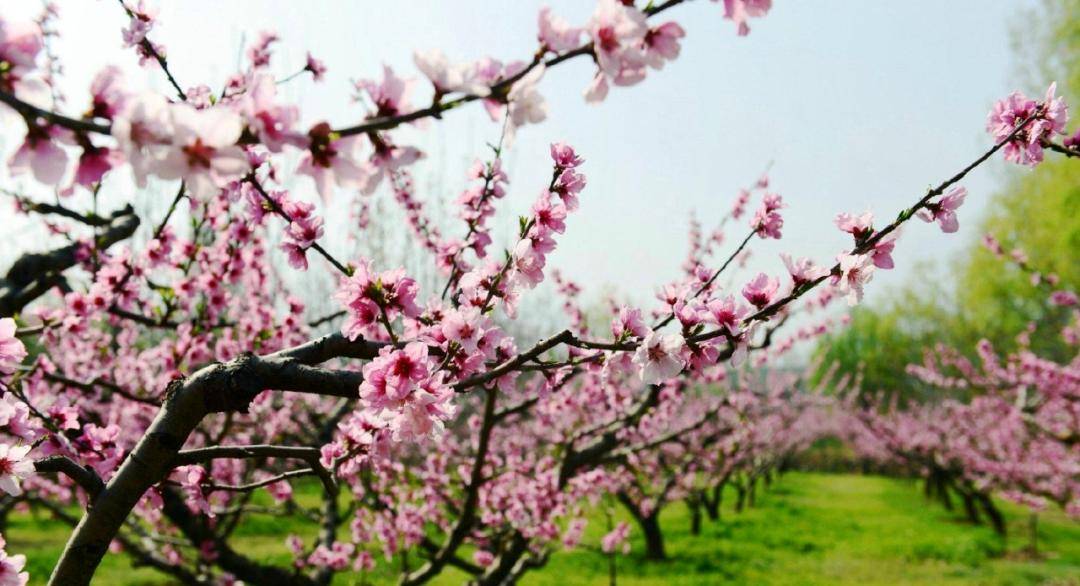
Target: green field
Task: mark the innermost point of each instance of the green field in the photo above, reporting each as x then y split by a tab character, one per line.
806	529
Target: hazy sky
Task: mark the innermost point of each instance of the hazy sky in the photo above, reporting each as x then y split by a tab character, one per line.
858	104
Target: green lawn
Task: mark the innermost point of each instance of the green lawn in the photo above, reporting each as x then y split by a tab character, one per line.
806	529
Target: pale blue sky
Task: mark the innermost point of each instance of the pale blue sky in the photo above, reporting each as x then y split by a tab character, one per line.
858	104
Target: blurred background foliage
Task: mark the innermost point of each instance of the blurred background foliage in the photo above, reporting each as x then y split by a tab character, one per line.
977	295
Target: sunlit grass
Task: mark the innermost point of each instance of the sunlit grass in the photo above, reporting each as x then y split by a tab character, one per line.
806	529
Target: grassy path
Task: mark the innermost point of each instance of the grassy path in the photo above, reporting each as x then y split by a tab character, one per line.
836	529
807	529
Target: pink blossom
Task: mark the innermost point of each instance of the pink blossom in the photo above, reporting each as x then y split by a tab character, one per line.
549	215
527	263
429	406
1072	142
14	466
659	357
144	130
331	161
94	162
662	44
564	156
616	537
390	96
20	44
628	322
142	21
15	418
12	351
1064	298
40	155
1047	119
597	90
767	221
316	67
855	271
204	151
107	93
447	77
882	253
741	11
366	295
739	206
556	34
259	52
803	271
725	313
992	244
11	569
483	558
568	186
617	32
526	104
861	226
390	378
335	557
944	210
464	326
272	122
761	290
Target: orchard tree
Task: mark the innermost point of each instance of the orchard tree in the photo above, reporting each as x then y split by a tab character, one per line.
1018	435
159	387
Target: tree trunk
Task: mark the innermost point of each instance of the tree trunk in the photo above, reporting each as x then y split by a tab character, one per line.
654	538
694	503
943	493
650	527
712	506
969	507
1033	534
740	497
752	501
997	520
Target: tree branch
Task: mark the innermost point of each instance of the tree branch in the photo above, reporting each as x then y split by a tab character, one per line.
84	476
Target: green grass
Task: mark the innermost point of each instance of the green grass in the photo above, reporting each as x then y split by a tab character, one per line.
806	529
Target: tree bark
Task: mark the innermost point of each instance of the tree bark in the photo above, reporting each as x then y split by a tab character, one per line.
694	504
997	520
712	505
654	538
970	509
650	528
740	498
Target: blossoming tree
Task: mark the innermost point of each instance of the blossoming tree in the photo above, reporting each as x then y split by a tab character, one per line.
159	387
1016	436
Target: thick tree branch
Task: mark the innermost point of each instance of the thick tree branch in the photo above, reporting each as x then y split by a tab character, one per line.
33	274
84	476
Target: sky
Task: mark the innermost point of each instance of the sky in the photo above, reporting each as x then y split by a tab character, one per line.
856	105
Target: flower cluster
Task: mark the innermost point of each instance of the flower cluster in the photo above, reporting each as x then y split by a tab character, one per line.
625	46
370	299
12	350
1045	120
767	220
404	387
